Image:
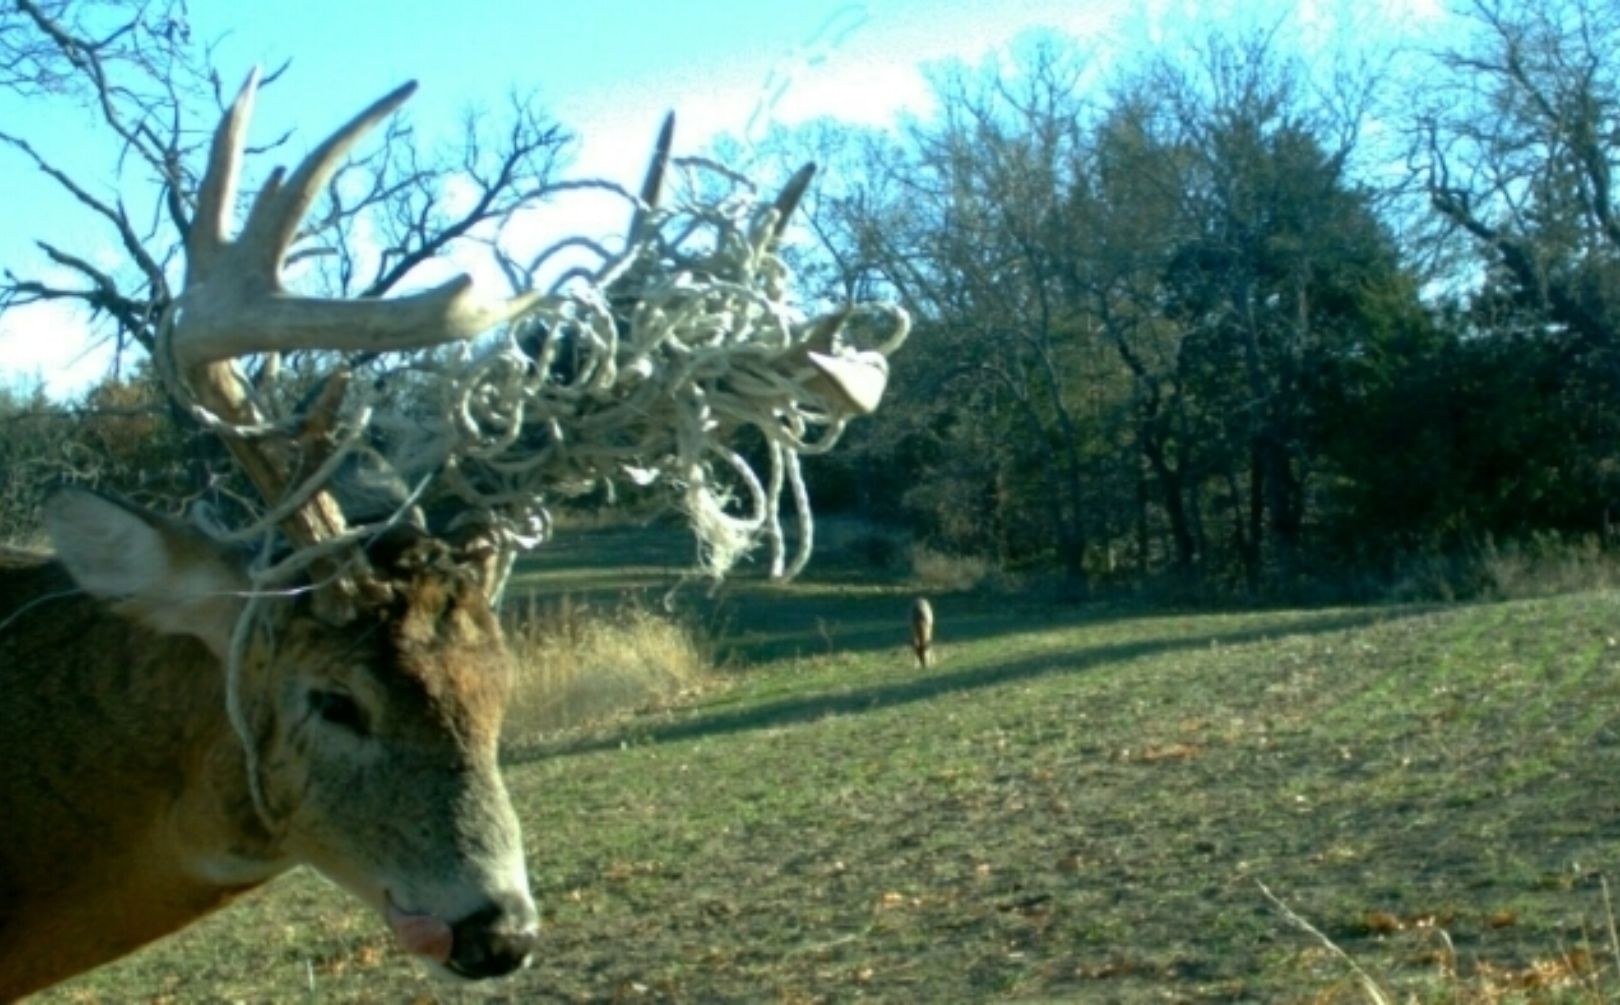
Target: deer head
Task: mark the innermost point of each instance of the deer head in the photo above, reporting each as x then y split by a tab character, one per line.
368	707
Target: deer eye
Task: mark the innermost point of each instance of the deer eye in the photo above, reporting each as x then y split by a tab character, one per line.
339	709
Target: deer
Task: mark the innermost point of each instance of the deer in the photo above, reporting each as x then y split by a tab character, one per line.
174	733
171	740
922	632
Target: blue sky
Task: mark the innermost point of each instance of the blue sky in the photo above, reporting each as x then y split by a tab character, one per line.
607	71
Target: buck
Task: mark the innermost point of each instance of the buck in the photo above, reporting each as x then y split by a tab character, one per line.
922	632
173	734
161	753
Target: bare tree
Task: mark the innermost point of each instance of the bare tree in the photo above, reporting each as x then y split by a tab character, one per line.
149	94
151	88
968	222
1518	152
116	34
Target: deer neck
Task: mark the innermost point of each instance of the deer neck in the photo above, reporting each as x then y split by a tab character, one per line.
138	817
214	828
174	772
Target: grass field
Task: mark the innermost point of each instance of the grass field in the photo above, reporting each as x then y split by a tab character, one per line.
1074	804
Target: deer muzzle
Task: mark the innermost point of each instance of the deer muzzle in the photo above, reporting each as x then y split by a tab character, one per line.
492	941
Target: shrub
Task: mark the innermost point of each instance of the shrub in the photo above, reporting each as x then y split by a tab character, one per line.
1542	565
1546	564
576	664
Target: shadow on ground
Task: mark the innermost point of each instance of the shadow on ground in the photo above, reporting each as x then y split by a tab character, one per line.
704	722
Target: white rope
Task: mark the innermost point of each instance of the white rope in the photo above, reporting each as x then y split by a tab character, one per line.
644	371
250	620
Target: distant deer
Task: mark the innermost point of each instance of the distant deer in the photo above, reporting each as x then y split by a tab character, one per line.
922	631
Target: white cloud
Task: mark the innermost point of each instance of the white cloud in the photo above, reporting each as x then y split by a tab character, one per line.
47	343
854	90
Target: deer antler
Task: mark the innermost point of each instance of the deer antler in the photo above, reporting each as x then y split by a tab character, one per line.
852	382
234	304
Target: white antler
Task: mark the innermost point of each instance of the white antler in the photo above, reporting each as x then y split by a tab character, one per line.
644	371
234	305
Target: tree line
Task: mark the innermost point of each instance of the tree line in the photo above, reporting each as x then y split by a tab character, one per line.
1222	324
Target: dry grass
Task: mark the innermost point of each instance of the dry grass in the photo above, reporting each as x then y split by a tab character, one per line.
1582	973
1544	565
1548	565
577	663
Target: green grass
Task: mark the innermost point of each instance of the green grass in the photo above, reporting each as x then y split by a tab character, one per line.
1072	805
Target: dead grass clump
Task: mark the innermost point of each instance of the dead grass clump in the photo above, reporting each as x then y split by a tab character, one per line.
576	663
1542	565
1548	564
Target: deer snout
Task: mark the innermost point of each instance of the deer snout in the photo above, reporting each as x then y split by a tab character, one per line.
495	940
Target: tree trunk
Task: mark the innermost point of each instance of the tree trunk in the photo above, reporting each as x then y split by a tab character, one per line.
1254	550
1172	497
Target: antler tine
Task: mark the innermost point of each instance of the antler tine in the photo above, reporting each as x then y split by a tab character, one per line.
653	184
274	220
217	193
788	199
234	305
450	312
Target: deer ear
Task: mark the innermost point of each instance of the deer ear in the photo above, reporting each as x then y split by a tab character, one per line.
158	572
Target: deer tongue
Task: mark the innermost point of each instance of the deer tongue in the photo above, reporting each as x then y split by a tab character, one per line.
421	934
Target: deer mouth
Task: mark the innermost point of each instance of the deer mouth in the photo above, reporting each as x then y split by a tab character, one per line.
487	943
421	934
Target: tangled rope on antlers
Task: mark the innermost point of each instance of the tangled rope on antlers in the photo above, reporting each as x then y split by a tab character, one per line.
643	369
646	367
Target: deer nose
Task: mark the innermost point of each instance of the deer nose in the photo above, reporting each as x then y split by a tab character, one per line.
494	940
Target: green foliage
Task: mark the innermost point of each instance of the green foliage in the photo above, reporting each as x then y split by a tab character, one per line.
1191	331
120	438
